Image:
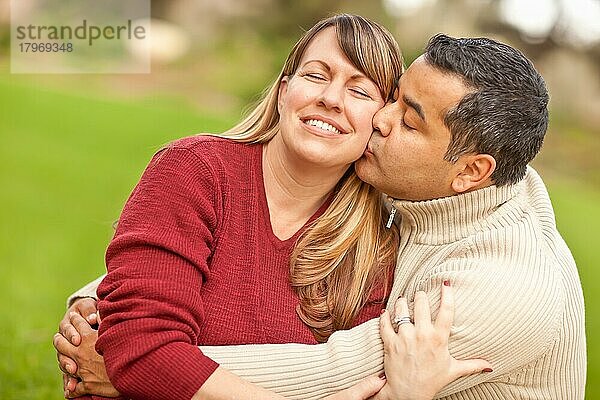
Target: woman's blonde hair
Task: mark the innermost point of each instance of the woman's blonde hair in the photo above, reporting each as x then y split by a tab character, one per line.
340	258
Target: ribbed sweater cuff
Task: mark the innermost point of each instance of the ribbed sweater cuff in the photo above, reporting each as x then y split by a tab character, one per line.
88	290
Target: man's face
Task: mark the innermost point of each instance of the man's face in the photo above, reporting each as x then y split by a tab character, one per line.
405	155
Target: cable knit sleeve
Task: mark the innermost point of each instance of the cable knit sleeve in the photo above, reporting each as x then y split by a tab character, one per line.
506	314
301	371
150	300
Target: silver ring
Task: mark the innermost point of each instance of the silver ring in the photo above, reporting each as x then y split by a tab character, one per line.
402	320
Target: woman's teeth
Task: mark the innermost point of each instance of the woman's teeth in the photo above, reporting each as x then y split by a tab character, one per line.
322	125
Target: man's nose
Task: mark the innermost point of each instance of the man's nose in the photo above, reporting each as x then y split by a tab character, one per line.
382	120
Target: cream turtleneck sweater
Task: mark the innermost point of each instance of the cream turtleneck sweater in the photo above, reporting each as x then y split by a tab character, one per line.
519	303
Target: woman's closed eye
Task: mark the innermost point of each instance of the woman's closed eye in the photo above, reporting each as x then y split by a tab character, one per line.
314	76
361	92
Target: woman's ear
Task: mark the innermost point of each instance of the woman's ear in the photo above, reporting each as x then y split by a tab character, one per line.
282	92
475	173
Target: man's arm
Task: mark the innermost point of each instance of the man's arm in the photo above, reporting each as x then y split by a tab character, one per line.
307	371
88	290
507	315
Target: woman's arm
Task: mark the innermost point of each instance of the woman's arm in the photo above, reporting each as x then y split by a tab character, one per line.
150	300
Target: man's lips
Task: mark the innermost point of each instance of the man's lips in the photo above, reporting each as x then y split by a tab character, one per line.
372	143
369	148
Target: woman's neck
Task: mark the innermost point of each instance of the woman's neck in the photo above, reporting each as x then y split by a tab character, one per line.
295	189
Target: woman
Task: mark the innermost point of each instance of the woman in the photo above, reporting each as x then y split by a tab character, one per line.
203	246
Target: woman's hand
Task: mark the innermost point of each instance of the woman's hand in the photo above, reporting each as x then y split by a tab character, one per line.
84	362
417	361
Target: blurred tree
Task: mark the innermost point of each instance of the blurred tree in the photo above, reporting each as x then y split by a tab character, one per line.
536	47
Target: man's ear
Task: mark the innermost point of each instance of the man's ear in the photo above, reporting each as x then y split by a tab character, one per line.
475	172
282	92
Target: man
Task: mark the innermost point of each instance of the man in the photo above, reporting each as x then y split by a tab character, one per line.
452	152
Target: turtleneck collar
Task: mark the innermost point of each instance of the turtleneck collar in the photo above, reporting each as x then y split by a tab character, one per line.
455	217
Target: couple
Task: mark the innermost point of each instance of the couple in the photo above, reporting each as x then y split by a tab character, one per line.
216	230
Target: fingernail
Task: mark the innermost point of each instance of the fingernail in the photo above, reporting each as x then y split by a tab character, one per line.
487	370
91	317
70	368
382	376
446	283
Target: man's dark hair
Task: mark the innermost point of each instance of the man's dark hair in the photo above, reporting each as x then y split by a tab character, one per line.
505	116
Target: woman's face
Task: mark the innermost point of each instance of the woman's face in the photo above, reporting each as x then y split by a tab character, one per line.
326	108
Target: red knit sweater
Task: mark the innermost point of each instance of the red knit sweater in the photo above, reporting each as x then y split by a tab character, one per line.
194	261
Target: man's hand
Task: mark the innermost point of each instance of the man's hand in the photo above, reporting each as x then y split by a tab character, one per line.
83	369
417	361
86	307
91	371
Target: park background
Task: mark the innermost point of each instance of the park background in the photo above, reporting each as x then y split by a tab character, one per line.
73	145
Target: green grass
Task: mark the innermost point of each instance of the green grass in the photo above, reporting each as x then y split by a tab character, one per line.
69	163
577	210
